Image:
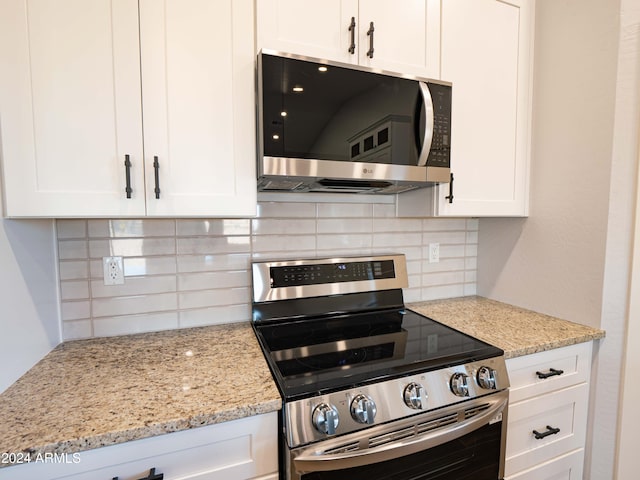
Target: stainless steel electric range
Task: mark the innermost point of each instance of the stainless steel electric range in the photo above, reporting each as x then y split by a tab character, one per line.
372	390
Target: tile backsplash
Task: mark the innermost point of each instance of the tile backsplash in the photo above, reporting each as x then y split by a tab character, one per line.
193	272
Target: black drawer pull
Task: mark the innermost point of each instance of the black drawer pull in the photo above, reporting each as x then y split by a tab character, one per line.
352	29
551	373
153	475
370	33
450	196
127	175
550	431
156	168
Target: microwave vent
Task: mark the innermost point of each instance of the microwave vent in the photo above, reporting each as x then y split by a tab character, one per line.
360	186
349	184
281	185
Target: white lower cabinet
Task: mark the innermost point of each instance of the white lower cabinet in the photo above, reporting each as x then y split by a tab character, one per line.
237	450
547	418
564	467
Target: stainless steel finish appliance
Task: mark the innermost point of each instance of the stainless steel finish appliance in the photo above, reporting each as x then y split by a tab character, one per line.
331	127
372	390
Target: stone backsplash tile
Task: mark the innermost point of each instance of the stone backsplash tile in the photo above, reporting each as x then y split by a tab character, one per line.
195	272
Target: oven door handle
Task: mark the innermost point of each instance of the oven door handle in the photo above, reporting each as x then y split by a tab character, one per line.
315	461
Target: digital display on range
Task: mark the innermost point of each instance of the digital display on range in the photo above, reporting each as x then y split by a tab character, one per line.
297	275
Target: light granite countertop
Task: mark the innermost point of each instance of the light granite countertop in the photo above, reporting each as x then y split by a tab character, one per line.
515	330
91	393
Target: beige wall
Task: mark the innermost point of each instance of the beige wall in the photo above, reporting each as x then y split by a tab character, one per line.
553	261
29	319
570	258
620	307
628	461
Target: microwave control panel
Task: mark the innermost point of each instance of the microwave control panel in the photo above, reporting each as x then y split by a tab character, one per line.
440	153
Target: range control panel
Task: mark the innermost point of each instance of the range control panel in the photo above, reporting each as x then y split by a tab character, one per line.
297	275
318	417
289	279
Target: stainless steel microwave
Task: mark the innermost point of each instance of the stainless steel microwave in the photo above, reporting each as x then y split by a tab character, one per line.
330	127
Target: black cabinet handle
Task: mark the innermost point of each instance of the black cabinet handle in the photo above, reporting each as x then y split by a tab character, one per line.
551	373
352	29
156	168
153	475
550	431
127	173
450	196
370	33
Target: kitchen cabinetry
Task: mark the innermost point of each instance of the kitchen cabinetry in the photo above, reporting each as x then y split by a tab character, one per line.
549	395
167	86
487	53
240	449
406	36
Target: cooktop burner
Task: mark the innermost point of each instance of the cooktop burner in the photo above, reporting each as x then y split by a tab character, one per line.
309	357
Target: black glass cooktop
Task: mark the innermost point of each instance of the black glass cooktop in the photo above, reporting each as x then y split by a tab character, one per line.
314	356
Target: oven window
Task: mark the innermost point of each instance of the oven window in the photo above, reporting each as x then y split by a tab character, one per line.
475	456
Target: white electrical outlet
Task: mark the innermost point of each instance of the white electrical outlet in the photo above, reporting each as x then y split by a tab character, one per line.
434	252
113	270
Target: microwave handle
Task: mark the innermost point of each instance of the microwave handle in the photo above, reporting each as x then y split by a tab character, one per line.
428	129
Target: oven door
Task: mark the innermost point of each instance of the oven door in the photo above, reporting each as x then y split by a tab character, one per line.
462	442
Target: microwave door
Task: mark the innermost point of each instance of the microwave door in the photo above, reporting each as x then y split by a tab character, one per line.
427	102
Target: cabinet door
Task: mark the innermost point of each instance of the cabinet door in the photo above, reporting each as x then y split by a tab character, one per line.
198	104
487	54
70	107
572	366
565	467
406	36
563	410
246	448
313	29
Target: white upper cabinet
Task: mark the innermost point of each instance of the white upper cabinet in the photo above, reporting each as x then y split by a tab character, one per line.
404	35
87	84
314	29
198	104
487	53
70	107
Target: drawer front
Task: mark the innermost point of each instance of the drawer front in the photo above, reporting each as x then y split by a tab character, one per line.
524	372
565	410
564	467
238	449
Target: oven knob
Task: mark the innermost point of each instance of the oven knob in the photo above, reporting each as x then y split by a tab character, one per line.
459	384
486	378
363	409
325	418
415	396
